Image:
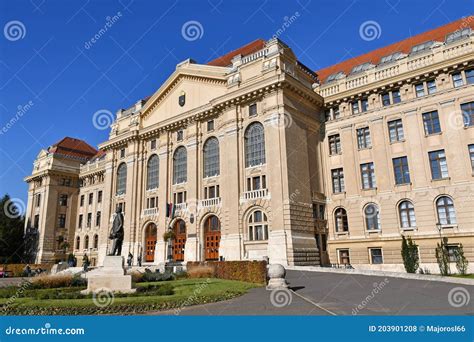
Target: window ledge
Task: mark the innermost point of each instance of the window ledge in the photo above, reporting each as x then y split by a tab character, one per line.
342	233
335	154
449	226
441	179
364	148
433	134
378	231
255	242
408	229
397	141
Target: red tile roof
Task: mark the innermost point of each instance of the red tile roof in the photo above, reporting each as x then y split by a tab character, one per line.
72	147
248	49
437	34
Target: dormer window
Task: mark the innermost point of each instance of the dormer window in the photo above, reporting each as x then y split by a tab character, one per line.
335	77
458	35
422	47
360	68
391	58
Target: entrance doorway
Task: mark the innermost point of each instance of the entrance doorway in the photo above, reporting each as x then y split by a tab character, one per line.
212	237
150	242
179	242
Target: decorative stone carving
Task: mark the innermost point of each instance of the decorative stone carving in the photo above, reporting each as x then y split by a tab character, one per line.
276	273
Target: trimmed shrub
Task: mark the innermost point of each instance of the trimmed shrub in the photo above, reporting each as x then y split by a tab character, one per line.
51	282
248	271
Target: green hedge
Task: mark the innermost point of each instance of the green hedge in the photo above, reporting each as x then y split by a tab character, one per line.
248	271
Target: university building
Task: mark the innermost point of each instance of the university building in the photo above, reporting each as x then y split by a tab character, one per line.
255	156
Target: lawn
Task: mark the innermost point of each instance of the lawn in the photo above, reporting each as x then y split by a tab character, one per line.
185	292
468	276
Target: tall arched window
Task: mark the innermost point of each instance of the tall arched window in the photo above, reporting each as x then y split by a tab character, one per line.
340	219
78	242
153	170
121	179
445	209
211	157
407	214
258	226
372	217
96	241
254	145
86	242
180	165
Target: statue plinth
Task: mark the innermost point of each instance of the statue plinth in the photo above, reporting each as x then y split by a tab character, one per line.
111	277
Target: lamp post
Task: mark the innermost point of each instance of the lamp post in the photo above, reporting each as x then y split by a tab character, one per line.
439	226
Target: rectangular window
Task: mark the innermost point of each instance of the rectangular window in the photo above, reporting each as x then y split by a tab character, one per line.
337	180
63	200
122	153
99	197
335	112
179	135
470	76
471	155
97	219
89	220
420	89
38	200
327	115
253	109
376	256
431	122
363	138
153	144
438	164
36	222
79	225
395	130
368	175
355	107
396	96
334	144
467	110
62	221
364	105
457	80
401	170
82	200
386	99
210	125
431	85
344	257
91	198
452	251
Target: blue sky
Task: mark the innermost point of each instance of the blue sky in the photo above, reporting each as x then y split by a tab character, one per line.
51	64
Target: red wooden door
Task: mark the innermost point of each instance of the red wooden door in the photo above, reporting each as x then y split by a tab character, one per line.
150	243
212	238
179	240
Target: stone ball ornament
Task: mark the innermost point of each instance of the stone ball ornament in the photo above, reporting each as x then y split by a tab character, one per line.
276	273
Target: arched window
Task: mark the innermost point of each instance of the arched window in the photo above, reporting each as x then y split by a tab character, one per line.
340	219
254	145
445	209
153	170
211	157
212	224
180	165
372	217
258	226
86	242
407	214
121	179
78	242
96	241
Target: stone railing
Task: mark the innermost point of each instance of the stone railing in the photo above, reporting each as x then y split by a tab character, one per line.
255	194
181	206
150	212
210	202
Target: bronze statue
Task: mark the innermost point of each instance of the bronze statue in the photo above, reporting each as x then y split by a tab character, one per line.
117	233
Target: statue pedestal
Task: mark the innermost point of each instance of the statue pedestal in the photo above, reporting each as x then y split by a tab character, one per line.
110	277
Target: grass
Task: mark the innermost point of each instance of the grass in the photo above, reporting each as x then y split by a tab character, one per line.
185	292
468	276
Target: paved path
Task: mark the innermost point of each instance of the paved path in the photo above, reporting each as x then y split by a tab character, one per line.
4	282
340	294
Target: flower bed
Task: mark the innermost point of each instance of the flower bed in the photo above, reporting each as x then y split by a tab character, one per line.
248	271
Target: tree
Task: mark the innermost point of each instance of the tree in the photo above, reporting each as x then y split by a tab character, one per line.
11	231
442	257
411	259
461	261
